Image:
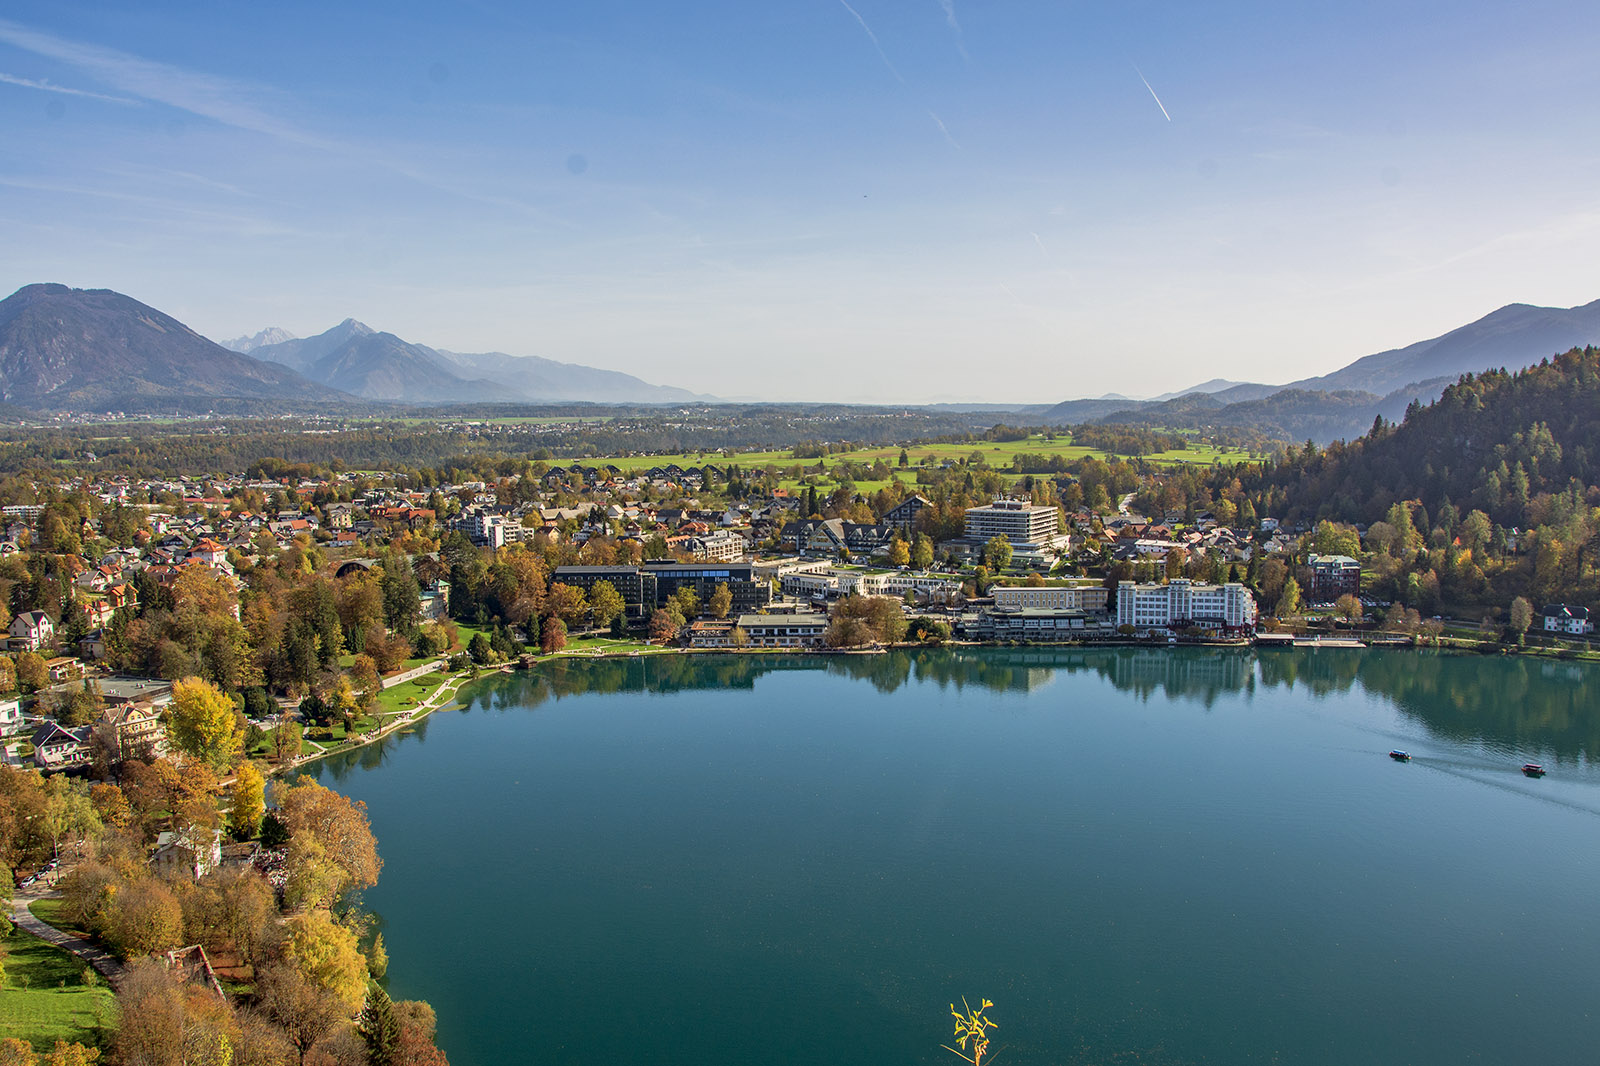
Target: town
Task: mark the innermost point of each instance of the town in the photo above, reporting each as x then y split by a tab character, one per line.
306	598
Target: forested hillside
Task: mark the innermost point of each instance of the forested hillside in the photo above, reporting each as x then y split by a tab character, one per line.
1487	495
1505	444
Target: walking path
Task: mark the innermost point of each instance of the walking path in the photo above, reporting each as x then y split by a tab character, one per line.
434	701
87	950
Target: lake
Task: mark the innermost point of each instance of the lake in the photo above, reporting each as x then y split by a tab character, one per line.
1142	856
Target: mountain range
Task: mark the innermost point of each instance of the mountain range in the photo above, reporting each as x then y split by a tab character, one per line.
1343	404
373	365
97	350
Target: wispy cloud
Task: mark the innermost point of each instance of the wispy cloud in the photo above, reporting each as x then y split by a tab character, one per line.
45	86
208	96
950	17
937	121
873	37
1153	95
229	102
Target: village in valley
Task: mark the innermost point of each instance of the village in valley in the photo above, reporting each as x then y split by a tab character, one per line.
331	606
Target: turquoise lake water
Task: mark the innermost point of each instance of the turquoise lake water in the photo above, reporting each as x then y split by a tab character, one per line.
1162	856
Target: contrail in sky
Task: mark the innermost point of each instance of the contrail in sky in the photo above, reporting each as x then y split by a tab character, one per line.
937	121
29	83
1037	241
950	17
874	38
1146	81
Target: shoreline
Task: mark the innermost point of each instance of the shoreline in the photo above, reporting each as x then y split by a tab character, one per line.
450	690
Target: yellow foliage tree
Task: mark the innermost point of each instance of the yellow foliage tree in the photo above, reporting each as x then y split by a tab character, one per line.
327	956
204	722
249	801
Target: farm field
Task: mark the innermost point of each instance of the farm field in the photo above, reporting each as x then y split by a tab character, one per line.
997	455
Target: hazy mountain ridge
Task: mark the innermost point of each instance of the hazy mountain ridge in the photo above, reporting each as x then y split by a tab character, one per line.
94	349
1344	403
381	366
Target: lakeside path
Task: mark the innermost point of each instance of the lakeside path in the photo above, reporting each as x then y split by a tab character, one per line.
87	950
436	699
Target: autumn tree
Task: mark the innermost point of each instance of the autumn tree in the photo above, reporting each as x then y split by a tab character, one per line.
1521	617
327	957
339	824
32	674
145	918
922	551
899	552
1289	602
1350	608
567	603
721	601
553	636
249	801
605	603
204	722
664	625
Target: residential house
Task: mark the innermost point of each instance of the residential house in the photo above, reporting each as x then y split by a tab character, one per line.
1561	618
31	631
191	853
55	747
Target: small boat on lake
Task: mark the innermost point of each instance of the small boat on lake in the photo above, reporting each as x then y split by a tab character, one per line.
1400	756
1533	769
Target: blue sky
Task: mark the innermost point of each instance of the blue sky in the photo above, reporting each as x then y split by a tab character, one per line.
806	199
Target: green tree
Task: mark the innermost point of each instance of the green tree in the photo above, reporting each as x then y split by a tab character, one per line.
379	1028
1289	602
204	722
1332	538
686	602
922	551
721	601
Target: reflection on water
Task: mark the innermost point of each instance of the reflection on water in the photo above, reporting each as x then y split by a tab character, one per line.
1502	701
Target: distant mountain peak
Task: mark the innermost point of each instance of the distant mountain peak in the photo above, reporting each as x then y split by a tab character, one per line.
270	335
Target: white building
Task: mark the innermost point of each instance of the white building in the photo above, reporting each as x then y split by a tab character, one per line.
784	630
10	717
1560	618
1182	604
1090	598
1019	521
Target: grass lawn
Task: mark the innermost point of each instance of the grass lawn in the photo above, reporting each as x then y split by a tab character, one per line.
410	693
45	998
54	912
